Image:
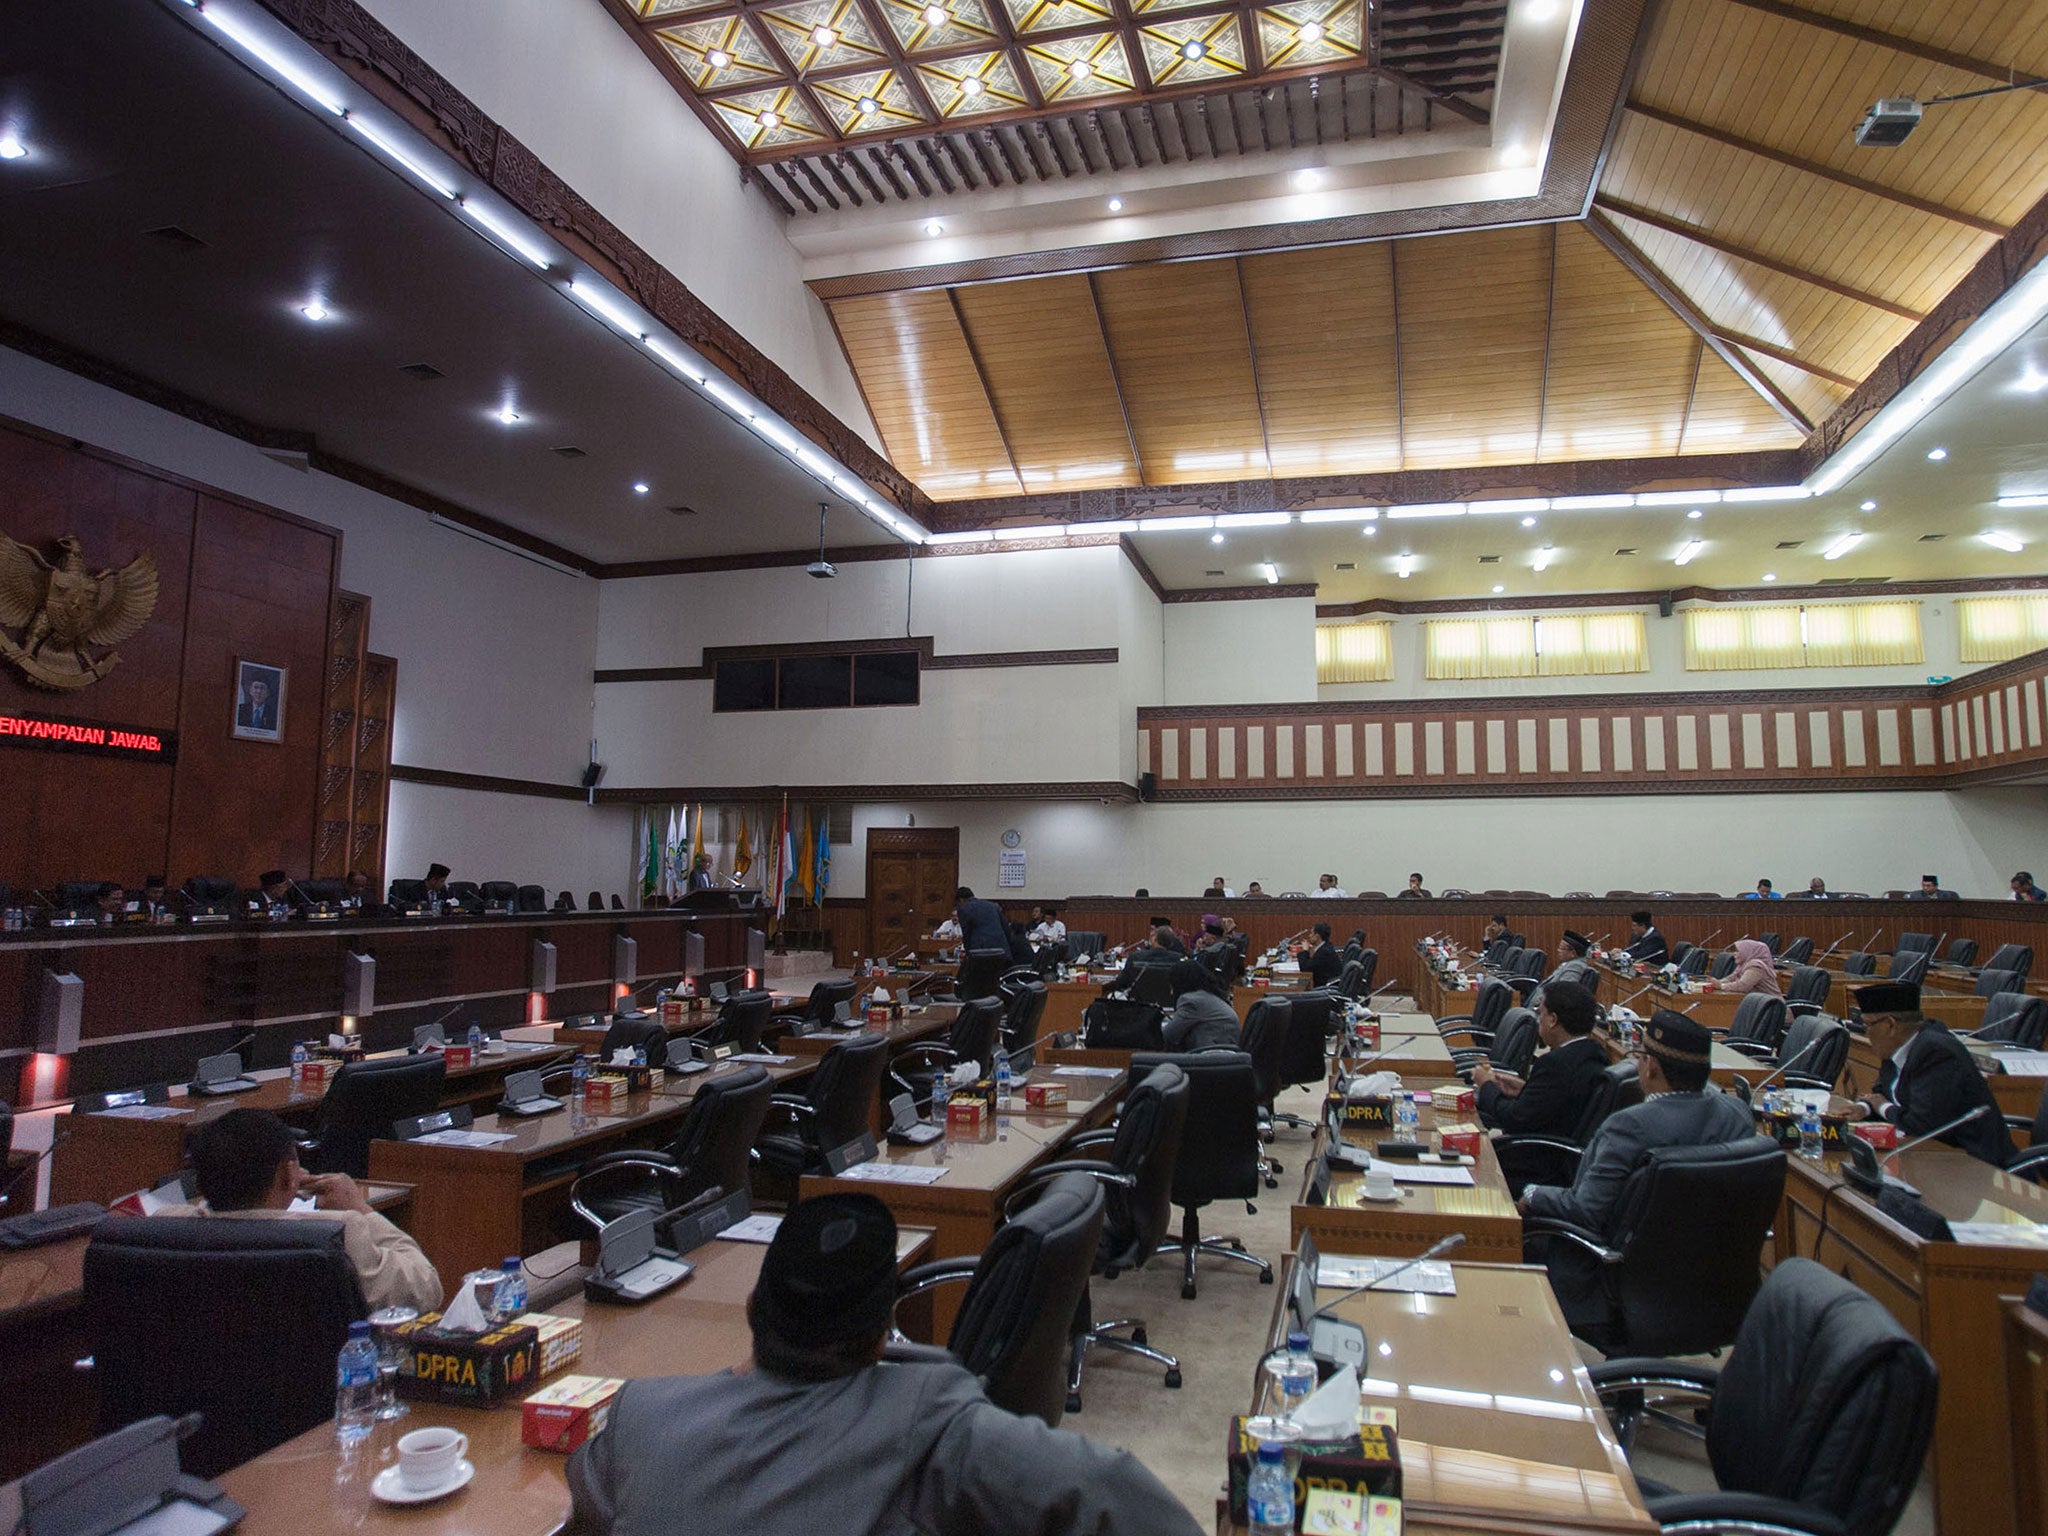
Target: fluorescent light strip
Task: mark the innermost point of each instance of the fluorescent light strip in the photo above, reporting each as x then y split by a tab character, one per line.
1045	531
1124	526
1510	504
252	42
1766	493
2038	499
1686	551
601	300
403	156
1841	546
732	400
982	536
1341	515
689	368
1544	556
1253	519
516	240
2004	541
1592	503
1676	498
2022	305
1271	572
1429	509
1173	524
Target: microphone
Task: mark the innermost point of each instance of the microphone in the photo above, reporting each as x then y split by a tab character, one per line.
1435	1250
1783	1067
1864	1172
441	1018
1387	1054
300	891
1872	945
1939	944
630	999
1834	946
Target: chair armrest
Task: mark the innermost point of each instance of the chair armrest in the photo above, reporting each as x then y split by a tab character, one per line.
925	1051
1752	1514
1531	1159
1102	1173
1452	1018
920	1278
653	1162
2029	1160
1550	1226
801	1110
1791	1007
1802	1080
1756	1050
1101	1138
1633	1373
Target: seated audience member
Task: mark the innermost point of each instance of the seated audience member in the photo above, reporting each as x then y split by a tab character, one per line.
2024	889
1324	963
1415	892
1755	970
1174	941
112	900
273	889
1572	965
1255	889
355	890
981	922
1018	940
1679	1109
156	896
1927	1077
1817	889
248	1166
1645	942
436	881
949	929
1496	928
1326	885
818	1433
1160	951
1930	889
1561	1080
1202	1019
1763	892
1046	927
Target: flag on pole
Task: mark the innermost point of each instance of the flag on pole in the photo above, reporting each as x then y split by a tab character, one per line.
696	849
668	857
785	860
806	875
650	874
821	863
743	852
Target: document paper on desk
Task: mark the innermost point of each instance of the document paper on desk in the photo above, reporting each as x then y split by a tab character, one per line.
755	1229
763	1057
894	1173
143	1111
1086	1071
2020	1063
1336	1272
455	1138
1423	1173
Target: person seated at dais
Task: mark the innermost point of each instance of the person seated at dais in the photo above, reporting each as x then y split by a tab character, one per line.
1414	890
1327	886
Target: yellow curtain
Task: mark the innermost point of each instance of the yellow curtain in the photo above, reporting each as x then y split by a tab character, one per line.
1742	639
1355	653
1463	648
1863	634
1592	644
2000	628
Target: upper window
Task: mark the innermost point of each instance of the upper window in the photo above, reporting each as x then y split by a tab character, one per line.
1355	653
836	680
2000	628
1811	635
1555	645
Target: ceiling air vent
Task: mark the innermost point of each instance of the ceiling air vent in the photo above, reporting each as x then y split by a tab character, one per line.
182	239
568	452
424	373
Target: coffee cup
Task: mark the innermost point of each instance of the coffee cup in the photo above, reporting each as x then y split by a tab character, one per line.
427	1457
1379	1184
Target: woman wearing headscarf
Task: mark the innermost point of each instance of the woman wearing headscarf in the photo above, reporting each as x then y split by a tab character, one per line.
1202	1019
1754	971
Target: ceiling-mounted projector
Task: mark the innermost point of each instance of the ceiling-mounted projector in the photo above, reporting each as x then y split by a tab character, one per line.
1888	122
824	570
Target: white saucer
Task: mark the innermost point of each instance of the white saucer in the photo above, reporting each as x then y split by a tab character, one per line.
1394	1199
388	1486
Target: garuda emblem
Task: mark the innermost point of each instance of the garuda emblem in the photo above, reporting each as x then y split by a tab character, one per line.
63	611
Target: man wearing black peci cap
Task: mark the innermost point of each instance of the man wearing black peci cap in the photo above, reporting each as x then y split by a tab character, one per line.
1646	943
1553	1099
818	1433
1679	1109
1927	1078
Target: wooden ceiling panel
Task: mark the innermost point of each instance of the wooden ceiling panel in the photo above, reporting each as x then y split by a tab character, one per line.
922	388
1049	379
1177	337
1815	397
1621	364
1727	416
1322	326
1473	315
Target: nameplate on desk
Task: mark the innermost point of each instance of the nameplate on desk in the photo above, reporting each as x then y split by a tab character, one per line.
688	1233
455	1119
1319	1183
842	1157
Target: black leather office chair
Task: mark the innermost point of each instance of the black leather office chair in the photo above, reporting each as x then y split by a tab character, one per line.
1085	941
237	1319
1534	1159
1023	1011
1368	967
1497	952
2013	1018
821	1010
534	898
1137	1175
1350	980
1758	1026
2033	1161
1798	952
1962	952
1921	942
741	1020
500	893
318	893
1015	1324
1724	964
1219	1156
1264	1039
1529	967
1512	1048
644	1033
1696	961
596	901
365	1100
617	904
1908	964
464	894
1489	1004
1819	1422
978	973
2012	957
565	901
1304	1060
1679	1262
1774	942
209	894
1859	963
1678	953
1992	982
711	1150
1814	1049
1323	1010
834	1110
408	893
1807	990
976	1028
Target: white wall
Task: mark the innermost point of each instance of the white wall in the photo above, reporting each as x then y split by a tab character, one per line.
494	652
564	78
560	844
1260	652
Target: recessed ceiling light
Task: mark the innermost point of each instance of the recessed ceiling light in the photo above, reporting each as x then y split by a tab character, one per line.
1080	69
506	414
1869	506
1528	522
1693	516
1370	530
1307	179
1116	205
2004	541
1404	566
1497	587
1215	538
869	106
1937	454
1310	32
718	58
11	148
971	86
1271	572
1841	546
936	16
824	37
1193	49
1770	575
934	227
2033	381
639	487
770	119
313	309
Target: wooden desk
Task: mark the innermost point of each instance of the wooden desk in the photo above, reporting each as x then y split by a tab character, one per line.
701	1326
1349	1223
2026	1385
1946	1294
1500	1428
102	1157
2014	1095
934	1020
473	1206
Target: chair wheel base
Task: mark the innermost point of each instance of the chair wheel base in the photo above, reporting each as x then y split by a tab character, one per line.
1265	1277
1187	1293
1173	1377
1138	1336
1272	1183
1073	1402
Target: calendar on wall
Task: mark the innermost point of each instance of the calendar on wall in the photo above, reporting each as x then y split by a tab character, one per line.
1010	868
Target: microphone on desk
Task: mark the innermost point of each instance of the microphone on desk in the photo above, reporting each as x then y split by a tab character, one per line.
1864	1172
1745	1091
438	1020
1939	945
1871	947
1834	946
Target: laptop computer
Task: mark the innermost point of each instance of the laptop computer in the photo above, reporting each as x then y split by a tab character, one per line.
627	1267
221	1074
524	1096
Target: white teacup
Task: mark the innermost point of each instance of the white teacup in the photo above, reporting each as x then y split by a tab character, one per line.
1379	1184
427	1457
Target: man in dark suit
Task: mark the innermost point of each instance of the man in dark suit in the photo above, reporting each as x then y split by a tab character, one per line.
1324	963
1645	942
1552	1100
1160	953
981	922
258	711
1930	889
1928	1077
1414	892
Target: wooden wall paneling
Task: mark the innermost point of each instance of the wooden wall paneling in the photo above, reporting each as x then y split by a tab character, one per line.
1322	329
1724	413
1050	380
370	803
1474	316
1177	336
335	802
1817	397
1620	368
919	379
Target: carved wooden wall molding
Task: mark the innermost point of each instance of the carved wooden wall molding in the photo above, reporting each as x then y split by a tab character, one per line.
1776	594
1238	594
834	794
924	645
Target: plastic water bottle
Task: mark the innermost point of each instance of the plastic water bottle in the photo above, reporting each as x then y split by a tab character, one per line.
1809	1132
942	1097
1406	1121
639	1055
476	1038
1002	1074
1269	1496
579	1075
355	1387
1298	1379
511	1298
298	1063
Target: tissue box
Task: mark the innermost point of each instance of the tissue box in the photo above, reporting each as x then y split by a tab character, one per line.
563	1415
1881	1134
313	1074
1464	1142
1365	1463
878	1015
966	1113
1329	1513
1045	1095
1368	1033
600	1090
559	1339
468	1370
1374	1111
455	1057
1455	1099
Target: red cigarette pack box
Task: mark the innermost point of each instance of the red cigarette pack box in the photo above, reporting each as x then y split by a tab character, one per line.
564	1414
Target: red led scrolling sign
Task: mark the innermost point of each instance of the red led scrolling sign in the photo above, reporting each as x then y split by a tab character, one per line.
50	734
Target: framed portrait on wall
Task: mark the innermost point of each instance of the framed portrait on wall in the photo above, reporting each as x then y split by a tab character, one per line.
259	701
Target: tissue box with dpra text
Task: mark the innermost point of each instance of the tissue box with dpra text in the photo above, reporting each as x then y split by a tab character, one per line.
1363	1463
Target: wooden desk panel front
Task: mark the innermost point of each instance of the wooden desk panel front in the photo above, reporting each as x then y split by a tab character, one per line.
1426	1213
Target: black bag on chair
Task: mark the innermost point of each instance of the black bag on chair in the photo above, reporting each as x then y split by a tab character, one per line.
1112	1023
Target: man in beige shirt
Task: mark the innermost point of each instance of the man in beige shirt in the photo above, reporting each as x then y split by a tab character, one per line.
248	1165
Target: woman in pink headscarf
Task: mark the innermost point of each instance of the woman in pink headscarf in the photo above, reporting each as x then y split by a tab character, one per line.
1753	971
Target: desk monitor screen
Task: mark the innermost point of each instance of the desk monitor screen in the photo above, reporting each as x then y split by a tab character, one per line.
521	1086
626	1243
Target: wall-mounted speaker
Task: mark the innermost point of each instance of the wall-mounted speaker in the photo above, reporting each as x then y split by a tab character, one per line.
1664	603
625	960
60	1013
358	985
592	772
1148	787
543	967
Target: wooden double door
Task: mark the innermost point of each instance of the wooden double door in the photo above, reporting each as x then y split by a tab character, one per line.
912	874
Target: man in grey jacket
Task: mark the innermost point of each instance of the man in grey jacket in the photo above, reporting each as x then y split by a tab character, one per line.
1679	1109
817	1433
1201	1020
